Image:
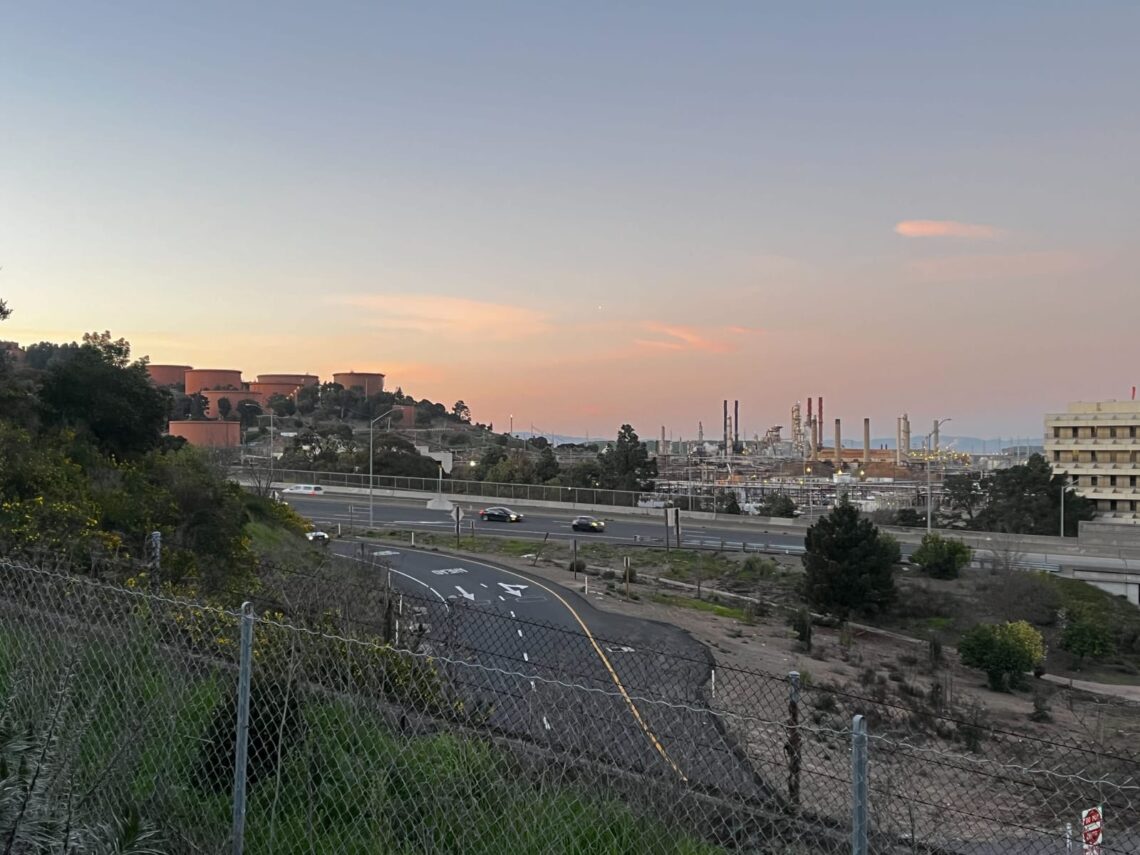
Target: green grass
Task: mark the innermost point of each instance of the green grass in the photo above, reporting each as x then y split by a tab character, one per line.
699	605
135	724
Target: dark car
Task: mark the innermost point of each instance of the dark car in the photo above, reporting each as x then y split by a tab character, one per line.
500	515
588	524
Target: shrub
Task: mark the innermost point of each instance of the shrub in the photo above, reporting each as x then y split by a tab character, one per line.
801	624
1086	637
1004	652
941	557
576	565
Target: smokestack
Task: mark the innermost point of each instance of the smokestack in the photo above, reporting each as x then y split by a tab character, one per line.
898	441
819	415
838	446
866	442
1133	393
809	410
735	424
815	439
906	437
724	427
935	447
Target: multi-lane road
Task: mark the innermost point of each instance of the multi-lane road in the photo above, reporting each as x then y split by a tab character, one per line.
738	534
543	663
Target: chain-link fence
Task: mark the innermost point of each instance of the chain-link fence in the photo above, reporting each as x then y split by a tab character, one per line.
136	721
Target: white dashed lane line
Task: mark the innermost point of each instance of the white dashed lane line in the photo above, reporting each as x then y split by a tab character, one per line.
545	723
526	657
519	632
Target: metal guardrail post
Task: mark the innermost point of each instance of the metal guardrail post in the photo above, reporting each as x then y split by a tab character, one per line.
859	786
241	743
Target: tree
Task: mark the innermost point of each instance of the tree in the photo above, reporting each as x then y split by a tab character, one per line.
5	312
547	467
728	503
1005	652
776	505
94	391
941	557
247	411
849	564
1026	499
909	518
224	407
964	495
462	412
1086	637
626	464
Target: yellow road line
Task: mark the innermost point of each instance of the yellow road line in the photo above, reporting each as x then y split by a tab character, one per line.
605	661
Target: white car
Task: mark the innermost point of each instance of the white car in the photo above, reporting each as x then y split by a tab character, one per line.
317	537
305	489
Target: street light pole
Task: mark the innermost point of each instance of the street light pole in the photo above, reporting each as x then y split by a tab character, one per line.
1065	485
929	490
371	456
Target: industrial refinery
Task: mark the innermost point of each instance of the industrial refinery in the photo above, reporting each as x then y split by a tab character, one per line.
808	465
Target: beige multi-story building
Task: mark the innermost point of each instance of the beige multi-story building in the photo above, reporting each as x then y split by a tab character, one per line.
1098	446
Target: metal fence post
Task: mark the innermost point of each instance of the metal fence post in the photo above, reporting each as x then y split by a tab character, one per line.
793	746
859	785
241	743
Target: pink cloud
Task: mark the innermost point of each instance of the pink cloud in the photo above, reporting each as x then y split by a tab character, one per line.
946	228
435	314
685	338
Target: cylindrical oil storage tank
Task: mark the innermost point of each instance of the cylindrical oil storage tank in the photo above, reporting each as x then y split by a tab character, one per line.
368	382
198	379
167	375
208	434
290	379
235	396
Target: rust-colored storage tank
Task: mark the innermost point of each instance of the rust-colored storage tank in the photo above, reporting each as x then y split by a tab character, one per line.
236	396
198	379
289	379
268	390
369	382
167	375
208	434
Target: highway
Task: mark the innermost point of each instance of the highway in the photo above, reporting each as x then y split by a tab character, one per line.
540	662
735	534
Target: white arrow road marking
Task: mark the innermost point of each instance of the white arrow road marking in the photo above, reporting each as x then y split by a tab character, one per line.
515	590
449	571
385	553
621	648
471	597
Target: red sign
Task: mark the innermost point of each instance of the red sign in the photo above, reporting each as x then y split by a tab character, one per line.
1092	830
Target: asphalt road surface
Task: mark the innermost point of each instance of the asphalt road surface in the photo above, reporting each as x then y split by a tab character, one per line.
540	661
331	509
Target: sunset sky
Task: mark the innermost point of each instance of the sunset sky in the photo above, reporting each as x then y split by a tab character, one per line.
591	213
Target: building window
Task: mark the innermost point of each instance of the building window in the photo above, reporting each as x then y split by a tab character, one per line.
1131	480
1074	433
1092	457
1112	505
1056	433
1112	481
1092	481
1132	432
1056	457
1112	433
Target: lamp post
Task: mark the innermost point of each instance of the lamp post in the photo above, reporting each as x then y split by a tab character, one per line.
1065	485
929	490
371	456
